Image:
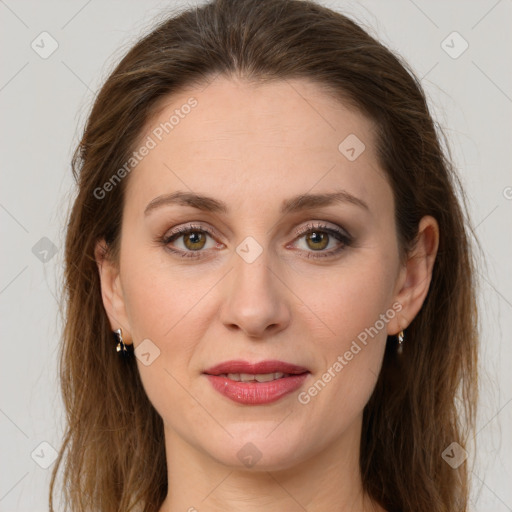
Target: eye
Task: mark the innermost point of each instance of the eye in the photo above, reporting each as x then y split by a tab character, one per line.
319	236
194	240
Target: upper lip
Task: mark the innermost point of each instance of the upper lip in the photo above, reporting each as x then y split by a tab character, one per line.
262	367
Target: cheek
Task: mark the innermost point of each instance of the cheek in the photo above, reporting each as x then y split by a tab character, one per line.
163	304
160	296
348	300
352	311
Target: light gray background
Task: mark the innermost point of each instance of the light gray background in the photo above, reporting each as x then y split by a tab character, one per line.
44	103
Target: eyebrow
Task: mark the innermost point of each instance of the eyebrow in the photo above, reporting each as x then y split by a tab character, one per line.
291	205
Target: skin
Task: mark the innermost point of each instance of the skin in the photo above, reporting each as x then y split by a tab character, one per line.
254	146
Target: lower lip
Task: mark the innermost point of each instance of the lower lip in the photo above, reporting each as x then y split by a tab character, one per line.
256	393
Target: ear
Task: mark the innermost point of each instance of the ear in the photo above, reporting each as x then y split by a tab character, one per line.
111	292
414	278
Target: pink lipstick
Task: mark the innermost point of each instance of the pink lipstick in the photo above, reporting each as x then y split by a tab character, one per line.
256	383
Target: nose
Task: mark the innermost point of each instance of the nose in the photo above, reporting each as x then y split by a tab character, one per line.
256	298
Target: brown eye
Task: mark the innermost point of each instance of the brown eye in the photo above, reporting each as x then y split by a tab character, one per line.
194	240
189	241
317	240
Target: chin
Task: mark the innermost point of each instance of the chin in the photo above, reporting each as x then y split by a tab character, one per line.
257	450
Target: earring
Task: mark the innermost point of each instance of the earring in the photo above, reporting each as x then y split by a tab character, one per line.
121	347
400	348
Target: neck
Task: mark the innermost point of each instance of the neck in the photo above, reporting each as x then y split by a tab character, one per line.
328	480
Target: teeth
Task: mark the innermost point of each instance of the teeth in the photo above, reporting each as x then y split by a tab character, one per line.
266	377
249	377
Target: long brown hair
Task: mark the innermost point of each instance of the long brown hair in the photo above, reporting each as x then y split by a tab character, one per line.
113	452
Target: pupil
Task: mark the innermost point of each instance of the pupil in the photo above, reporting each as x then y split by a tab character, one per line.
317	237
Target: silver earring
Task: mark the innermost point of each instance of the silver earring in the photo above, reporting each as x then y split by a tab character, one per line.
121	347
400	348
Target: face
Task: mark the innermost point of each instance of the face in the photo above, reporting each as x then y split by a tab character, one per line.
253	274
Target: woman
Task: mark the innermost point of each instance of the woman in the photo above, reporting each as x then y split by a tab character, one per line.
269	281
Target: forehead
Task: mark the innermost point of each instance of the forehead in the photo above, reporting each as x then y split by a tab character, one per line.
262	140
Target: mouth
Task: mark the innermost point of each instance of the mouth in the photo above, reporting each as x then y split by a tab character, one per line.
256	383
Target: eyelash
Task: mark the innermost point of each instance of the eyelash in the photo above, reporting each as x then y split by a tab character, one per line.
309	228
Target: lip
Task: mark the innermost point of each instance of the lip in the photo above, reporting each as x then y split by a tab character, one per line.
269	366
256	393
